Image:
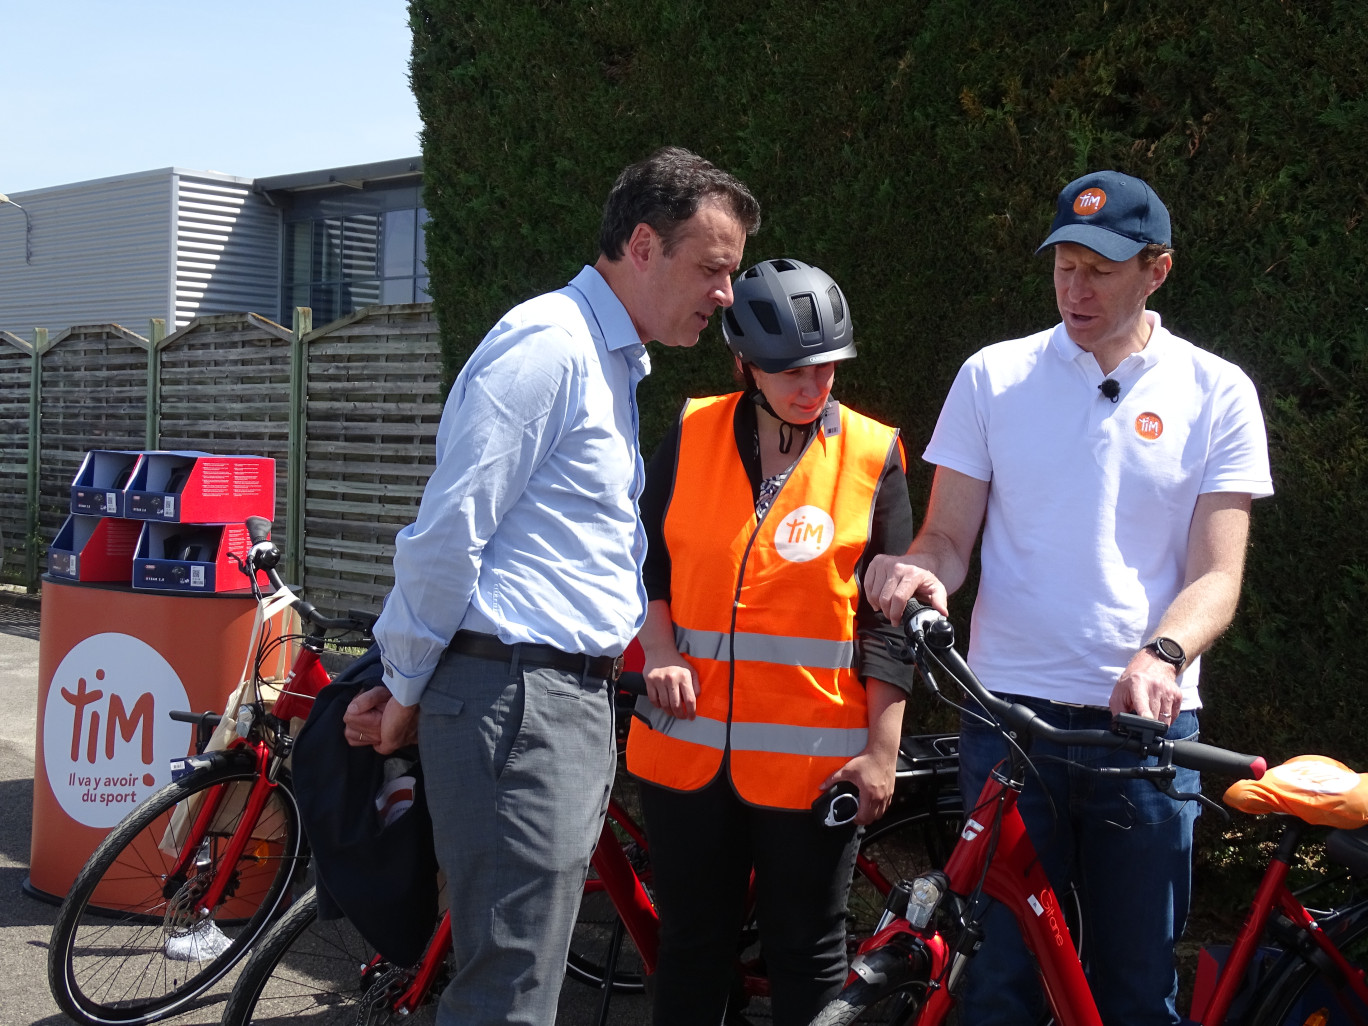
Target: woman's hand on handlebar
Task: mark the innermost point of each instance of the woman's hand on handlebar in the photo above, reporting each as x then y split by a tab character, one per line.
890	581
874	774
672	686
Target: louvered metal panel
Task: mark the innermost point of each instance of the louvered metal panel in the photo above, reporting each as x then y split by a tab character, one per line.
100	254
227	249
168	243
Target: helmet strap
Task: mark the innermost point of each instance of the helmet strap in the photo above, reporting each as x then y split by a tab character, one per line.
787	431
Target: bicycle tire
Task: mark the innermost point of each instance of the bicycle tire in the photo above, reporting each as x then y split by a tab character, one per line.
108	961
864	1002
1298	990
318	973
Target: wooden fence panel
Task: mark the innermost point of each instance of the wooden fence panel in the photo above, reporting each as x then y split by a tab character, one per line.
225	389
94	396
16	363
373	406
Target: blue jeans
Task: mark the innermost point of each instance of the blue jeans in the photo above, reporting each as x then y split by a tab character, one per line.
1127	849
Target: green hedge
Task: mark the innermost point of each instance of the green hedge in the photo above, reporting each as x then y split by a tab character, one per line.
914	151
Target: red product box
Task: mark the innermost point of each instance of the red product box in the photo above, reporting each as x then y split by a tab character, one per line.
94	548
99	486
201	488
192	558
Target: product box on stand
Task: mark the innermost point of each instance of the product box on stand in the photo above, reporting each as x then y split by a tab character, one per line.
200	488
191	558
94	548
99	486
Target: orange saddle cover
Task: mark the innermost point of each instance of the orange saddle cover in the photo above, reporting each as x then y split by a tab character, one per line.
1311	787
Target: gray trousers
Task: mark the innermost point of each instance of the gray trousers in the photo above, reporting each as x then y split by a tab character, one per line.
518	763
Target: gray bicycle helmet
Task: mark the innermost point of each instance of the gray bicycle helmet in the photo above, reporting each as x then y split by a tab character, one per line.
786	314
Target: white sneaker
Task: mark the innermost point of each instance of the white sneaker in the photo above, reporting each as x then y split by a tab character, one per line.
203	943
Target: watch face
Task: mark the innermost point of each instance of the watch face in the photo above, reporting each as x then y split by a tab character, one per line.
1169	650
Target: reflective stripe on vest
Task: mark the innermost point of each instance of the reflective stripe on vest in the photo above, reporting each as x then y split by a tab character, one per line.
817	742
764	610
766	648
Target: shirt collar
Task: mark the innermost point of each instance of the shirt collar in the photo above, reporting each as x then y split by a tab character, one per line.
1159	341
613	318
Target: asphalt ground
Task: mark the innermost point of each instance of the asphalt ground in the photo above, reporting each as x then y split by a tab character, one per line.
26	922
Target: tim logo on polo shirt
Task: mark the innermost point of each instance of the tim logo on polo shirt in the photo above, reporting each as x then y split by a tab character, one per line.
1089	201
804	534
1148	426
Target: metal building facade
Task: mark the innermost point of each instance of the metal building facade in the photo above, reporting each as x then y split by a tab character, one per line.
168	243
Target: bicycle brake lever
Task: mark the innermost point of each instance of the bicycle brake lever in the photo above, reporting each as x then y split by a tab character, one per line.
1183	796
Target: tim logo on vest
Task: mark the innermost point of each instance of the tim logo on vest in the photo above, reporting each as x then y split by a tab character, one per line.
804	534
107	741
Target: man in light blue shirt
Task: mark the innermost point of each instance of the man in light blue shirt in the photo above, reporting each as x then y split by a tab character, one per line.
520	582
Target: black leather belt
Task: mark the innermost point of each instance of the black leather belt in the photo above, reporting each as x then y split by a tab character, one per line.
486	646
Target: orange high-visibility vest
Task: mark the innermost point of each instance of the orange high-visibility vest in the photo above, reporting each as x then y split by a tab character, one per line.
765	610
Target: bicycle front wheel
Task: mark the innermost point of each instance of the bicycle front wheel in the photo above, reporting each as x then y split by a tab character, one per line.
321	973
1305	992
866	1003
130	944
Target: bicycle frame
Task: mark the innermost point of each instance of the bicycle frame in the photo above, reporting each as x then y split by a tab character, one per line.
995	856
636	913
306	678
1274	893
1014	877
1000	853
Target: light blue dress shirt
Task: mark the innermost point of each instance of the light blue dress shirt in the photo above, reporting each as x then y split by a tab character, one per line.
528	528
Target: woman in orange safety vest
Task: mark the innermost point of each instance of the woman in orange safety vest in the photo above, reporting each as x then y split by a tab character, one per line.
768	679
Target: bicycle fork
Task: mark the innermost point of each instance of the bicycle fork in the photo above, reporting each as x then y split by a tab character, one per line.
263	783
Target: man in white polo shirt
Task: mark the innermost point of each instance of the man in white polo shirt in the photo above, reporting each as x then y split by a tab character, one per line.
1111	466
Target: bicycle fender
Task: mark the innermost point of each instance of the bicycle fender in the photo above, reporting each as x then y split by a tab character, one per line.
902	958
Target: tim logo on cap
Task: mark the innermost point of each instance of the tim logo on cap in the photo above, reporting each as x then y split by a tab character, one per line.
1089	201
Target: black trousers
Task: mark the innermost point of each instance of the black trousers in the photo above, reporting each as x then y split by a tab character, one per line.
703	845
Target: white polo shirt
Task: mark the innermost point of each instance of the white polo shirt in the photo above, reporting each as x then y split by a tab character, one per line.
1085	538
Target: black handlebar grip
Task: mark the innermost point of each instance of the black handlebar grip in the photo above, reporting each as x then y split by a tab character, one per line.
258	529
1209	759
210	719
631	682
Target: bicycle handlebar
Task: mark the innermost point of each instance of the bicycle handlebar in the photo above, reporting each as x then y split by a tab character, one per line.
630	682
265	556
930	632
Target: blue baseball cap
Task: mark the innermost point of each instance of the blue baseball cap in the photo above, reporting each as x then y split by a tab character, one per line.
1110	213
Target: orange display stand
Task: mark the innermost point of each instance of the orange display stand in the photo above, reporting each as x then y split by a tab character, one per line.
112	663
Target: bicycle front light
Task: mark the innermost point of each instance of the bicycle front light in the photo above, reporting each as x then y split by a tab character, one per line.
925	897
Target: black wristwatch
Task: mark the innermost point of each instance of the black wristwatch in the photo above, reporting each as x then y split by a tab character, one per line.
1169	651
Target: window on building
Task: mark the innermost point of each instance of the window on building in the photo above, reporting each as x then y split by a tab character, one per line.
338	264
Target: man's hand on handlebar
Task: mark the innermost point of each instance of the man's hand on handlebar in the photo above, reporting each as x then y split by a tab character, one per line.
1148	686
374	719
891	580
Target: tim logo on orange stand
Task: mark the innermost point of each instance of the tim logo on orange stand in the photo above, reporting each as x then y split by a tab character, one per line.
102	746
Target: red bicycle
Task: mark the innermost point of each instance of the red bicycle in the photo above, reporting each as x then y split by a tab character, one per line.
1309	973
305	970
177	893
